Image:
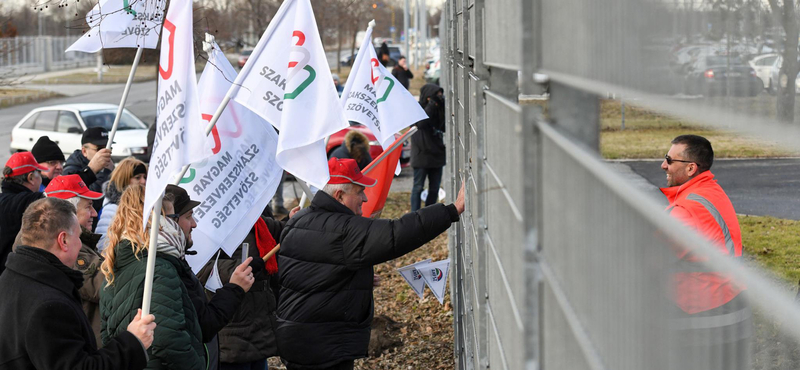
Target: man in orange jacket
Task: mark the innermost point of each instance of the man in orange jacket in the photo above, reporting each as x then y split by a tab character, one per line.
713	313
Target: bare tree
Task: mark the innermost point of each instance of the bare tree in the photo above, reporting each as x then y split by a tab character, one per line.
785	12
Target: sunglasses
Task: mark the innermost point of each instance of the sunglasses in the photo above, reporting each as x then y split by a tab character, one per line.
174	216
670	160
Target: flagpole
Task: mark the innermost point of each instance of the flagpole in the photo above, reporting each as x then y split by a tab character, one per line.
397	143
124	97
151	256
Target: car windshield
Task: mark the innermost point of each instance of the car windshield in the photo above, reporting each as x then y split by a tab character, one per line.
105	118
722	61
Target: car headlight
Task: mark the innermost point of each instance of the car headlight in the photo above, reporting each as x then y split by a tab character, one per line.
139	151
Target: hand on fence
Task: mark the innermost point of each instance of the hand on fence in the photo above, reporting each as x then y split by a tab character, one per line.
460	199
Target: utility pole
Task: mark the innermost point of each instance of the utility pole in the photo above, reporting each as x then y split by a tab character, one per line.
405	30
416	34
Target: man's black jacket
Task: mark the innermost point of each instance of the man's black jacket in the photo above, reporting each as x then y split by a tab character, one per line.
43	323
14	200
325	272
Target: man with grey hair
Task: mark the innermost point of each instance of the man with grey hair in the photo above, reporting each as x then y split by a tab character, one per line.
41	318
325	271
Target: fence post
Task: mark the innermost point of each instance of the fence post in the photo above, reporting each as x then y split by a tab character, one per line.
576	112
48	53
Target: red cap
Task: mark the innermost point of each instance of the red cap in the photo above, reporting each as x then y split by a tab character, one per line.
65	187
345	171
22	163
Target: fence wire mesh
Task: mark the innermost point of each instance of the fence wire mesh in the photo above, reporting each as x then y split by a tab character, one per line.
558	263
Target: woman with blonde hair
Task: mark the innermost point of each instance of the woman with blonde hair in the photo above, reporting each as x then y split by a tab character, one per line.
130	171
179	303
177	340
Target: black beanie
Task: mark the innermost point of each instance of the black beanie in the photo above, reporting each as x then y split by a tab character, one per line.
46	150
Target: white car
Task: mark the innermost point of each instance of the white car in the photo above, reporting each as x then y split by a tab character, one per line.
64	124
766	67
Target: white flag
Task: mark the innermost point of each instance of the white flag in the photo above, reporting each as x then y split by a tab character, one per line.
214	282
414	277
435	275
122	24
236	183
287	81
373	97
180	135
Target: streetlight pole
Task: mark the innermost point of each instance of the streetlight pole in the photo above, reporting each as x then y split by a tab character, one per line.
405	30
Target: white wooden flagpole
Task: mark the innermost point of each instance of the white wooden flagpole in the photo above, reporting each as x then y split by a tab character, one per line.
124	97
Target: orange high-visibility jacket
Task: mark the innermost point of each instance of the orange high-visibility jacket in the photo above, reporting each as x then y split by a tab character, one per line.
702	205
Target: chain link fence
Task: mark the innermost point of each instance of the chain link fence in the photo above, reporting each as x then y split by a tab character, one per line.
558	263
30	54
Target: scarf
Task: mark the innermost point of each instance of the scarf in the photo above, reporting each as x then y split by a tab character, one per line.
171	240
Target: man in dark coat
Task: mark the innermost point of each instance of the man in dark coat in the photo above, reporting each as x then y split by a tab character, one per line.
428	153
42	321
21	182
325	270
212	314
402	73
92	159
249	339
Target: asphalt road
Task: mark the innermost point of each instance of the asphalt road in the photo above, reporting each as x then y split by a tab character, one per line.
763	187
141	102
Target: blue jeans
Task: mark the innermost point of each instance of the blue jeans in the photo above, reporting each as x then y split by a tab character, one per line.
255	365
434	176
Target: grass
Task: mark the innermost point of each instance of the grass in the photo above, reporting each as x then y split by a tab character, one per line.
647	135
114	75
14	96
774	244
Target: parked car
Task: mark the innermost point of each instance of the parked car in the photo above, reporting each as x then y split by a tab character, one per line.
711	75
64	124
375	148
347	61
767	67
433	73
244	56
775	80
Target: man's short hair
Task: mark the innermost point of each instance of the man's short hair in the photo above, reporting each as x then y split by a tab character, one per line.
330	189
19	179
45	219
698	150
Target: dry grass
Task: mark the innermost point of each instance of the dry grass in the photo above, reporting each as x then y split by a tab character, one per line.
426	327
114	75
14	96
647	135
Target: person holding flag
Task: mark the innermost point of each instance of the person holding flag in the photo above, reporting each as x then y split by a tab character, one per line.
326	261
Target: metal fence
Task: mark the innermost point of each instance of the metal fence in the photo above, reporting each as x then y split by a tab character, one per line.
558	263
30	54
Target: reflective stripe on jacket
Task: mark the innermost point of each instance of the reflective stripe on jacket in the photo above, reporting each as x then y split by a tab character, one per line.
702	205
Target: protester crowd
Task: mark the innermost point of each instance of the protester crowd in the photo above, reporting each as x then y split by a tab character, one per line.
73	254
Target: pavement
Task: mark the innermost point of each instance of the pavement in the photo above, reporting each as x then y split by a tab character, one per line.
761	187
